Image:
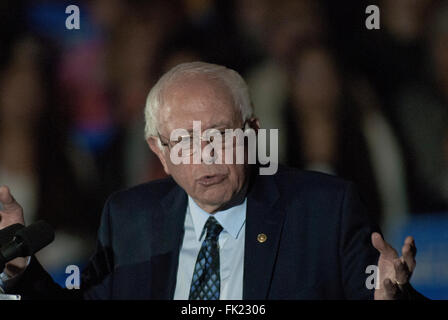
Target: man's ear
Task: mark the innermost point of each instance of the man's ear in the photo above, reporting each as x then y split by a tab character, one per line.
254	123
153	143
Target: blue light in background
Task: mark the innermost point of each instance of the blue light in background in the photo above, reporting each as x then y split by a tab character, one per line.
430	232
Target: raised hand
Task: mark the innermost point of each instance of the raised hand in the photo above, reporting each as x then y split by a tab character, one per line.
11	213
394	272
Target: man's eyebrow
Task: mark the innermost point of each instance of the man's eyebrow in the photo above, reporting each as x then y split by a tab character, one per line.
214	126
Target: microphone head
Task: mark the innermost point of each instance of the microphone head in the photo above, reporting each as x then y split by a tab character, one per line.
7	233
35	237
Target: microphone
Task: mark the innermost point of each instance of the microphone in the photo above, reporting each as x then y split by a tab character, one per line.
7	233
26	242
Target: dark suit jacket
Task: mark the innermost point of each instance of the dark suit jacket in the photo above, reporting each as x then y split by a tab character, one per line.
318	243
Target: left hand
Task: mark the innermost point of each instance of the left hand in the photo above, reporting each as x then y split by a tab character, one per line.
11	213
394	272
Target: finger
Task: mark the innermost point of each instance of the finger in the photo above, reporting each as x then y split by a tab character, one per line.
402	273
7	200
383	247
11	212
411	242
390	288
408	256
15	266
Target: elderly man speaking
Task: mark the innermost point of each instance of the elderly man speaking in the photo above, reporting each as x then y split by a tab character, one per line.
220	229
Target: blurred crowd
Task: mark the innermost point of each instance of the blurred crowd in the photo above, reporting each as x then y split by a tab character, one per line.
368	105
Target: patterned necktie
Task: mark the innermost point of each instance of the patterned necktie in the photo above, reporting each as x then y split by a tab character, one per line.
206	281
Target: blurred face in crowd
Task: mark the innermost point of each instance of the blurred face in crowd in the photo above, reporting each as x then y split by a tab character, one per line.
316	85
16	107
404	19
440	57
289	24
23	72
198	98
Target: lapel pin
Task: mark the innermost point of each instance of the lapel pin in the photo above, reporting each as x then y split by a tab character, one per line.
262	237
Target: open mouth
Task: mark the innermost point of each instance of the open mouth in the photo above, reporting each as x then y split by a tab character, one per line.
209	180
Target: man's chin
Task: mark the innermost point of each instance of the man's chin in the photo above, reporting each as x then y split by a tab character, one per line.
213	200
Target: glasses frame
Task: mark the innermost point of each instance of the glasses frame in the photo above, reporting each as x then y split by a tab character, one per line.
169	145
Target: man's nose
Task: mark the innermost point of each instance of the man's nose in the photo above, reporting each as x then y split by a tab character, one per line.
210	156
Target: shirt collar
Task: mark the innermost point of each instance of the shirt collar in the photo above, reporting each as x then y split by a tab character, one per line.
232	219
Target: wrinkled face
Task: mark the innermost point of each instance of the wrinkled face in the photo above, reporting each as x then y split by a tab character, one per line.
210	102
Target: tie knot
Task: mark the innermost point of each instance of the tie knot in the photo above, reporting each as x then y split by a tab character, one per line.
213	228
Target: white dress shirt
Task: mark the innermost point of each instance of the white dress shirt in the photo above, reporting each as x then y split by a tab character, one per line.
231	249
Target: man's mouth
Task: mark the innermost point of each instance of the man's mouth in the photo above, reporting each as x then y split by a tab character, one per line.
209	180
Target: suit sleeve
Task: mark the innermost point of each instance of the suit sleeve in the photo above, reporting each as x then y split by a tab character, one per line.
356	250
96	279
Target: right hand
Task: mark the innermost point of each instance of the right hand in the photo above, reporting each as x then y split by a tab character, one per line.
394	271
11	213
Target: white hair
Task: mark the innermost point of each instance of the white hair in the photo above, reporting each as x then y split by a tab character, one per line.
230	78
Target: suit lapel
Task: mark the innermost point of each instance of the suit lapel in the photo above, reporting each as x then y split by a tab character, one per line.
168	231
264	221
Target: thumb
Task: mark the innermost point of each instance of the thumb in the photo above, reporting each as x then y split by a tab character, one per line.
378	242
7	200
382	246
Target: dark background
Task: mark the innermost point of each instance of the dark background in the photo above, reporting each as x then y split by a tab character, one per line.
368	105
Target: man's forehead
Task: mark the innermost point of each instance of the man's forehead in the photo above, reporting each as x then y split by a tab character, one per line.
197	99
206	121
197	87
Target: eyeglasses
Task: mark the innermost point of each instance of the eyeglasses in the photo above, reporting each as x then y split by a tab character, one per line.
186	143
